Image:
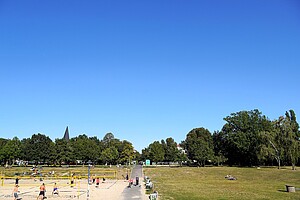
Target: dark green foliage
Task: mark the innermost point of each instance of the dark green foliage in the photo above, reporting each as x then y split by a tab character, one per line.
11	150
156	152
247	138
240	137
164	151
199	145
41	150
63	152
171	151
38	148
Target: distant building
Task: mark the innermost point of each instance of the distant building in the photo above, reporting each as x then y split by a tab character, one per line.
180	149
67	136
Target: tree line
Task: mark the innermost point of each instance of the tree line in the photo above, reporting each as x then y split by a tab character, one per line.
248	138
81	149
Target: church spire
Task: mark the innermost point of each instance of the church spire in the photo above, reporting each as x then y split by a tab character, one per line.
66	136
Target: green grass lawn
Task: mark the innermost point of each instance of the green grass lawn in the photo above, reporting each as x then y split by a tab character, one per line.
189	183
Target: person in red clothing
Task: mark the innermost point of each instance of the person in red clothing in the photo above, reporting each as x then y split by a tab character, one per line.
42	192
97	181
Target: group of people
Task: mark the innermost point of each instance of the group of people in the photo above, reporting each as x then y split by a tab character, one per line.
130	181
41	192
97	180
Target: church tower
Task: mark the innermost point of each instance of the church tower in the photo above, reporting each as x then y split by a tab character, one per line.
66	136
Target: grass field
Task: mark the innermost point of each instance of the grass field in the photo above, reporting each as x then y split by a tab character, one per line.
210	183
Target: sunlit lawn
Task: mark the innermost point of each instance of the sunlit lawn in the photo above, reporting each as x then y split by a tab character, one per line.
209	183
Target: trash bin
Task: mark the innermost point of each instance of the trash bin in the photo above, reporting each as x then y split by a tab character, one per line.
153	196
290	188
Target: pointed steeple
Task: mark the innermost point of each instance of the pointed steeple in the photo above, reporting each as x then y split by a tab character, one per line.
66	136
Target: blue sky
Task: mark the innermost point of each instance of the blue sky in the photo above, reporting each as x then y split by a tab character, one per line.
144	70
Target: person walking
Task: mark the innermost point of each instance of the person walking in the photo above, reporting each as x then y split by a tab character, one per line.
42	192
15	192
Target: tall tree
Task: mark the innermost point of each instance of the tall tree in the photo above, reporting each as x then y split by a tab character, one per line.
156	152
109	155
107	139
39	148
126	152
63	151
85	148
199	145
171	151
219	151
291	117
2	153
287	140
12	150
241	136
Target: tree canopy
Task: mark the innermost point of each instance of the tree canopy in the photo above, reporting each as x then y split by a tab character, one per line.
248	138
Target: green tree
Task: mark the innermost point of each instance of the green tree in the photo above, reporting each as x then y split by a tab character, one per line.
145	154
137	156
12	150
126	152
219	154
171	151
156	152
64	153
291	117
240	136
199	145
2	154
286	138
109	155
39	148
107	139
85	148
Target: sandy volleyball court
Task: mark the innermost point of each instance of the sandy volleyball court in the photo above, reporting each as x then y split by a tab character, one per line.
29	190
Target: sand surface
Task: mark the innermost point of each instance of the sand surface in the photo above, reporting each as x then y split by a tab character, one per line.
29	190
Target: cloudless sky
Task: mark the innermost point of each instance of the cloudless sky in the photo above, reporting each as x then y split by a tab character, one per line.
144	70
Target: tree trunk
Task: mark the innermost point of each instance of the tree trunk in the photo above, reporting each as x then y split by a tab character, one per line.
278	161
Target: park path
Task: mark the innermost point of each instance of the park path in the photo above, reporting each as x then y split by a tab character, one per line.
136	191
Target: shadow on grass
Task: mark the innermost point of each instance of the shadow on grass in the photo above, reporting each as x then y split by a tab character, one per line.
281	190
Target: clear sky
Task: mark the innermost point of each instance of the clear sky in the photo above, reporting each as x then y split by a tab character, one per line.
144	70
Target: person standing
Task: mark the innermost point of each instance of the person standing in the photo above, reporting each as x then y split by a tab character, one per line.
42	192
15	192
17	181
97	182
